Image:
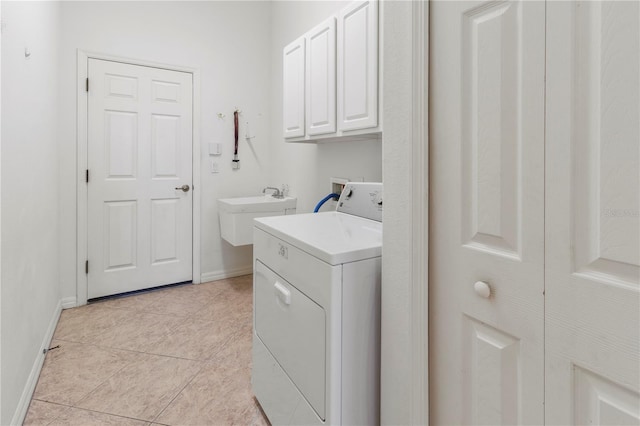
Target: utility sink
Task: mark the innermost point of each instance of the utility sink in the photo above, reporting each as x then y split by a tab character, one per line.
260	203
237	214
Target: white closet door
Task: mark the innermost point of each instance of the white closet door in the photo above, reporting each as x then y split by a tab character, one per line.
487	213
139	155
593	213
293	63
321	78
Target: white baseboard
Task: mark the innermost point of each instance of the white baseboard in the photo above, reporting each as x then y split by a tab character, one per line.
69	302
30	386
226	273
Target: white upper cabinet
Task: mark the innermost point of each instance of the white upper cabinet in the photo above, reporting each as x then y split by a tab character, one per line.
321	78
330	86
358	66
293	71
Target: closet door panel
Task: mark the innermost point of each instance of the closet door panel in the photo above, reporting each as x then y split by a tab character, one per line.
593	213
487	212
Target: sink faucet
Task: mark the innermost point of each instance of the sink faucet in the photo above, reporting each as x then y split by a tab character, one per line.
276	194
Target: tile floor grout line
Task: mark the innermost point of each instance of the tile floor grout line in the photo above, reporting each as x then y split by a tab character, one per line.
73	405
52	402
111	414
205	363
100	384
222	346
115	348
67	408
149	353
125	366
202	366
171	330
100	345
117	323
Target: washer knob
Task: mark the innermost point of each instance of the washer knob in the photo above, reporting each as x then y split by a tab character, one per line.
482	289
348	192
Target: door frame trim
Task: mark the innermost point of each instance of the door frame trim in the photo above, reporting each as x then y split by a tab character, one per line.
81	164
419	414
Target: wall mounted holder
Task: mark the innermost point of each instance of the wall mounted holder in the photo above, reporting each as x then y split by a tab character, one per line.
247	133
235	163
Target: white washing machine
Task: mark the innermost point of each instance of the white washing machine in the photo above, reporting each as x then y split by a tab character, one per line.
316	317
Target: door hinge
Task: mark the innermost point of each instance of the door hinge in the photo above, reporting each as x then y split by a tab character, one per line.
86	267
87	176
87	85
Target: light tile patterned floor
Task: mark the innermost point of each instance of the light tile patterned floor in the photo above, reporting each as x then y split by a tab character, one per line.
178	356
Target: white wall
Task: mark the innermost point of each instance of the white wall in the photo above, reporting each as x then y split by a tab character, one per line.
228	42
30	291
306	168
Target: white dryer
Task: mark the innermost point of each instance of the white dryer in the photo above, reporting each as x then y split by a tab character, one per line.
316	339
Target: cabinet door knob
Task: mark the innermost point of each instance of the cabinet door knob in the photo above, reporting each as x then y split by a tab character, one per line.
482	289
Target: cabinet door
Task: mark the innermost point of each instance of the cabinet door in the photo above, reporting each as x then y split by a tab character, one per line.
293	88
592	328
321	78
486	341
358	66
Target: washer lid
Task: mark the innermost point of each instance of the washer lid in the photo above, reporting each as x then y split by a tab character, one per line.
333	237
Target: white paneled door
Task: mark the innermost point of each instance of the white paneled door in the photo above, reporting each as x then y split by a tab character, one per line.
486	282
140	177
593	213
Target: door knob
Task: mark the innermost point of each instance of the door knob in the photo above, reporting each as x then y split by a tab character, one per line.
184	188
482	289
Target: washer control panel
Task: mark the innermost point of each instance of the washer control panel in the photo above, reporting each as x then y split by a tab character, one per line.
363	199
